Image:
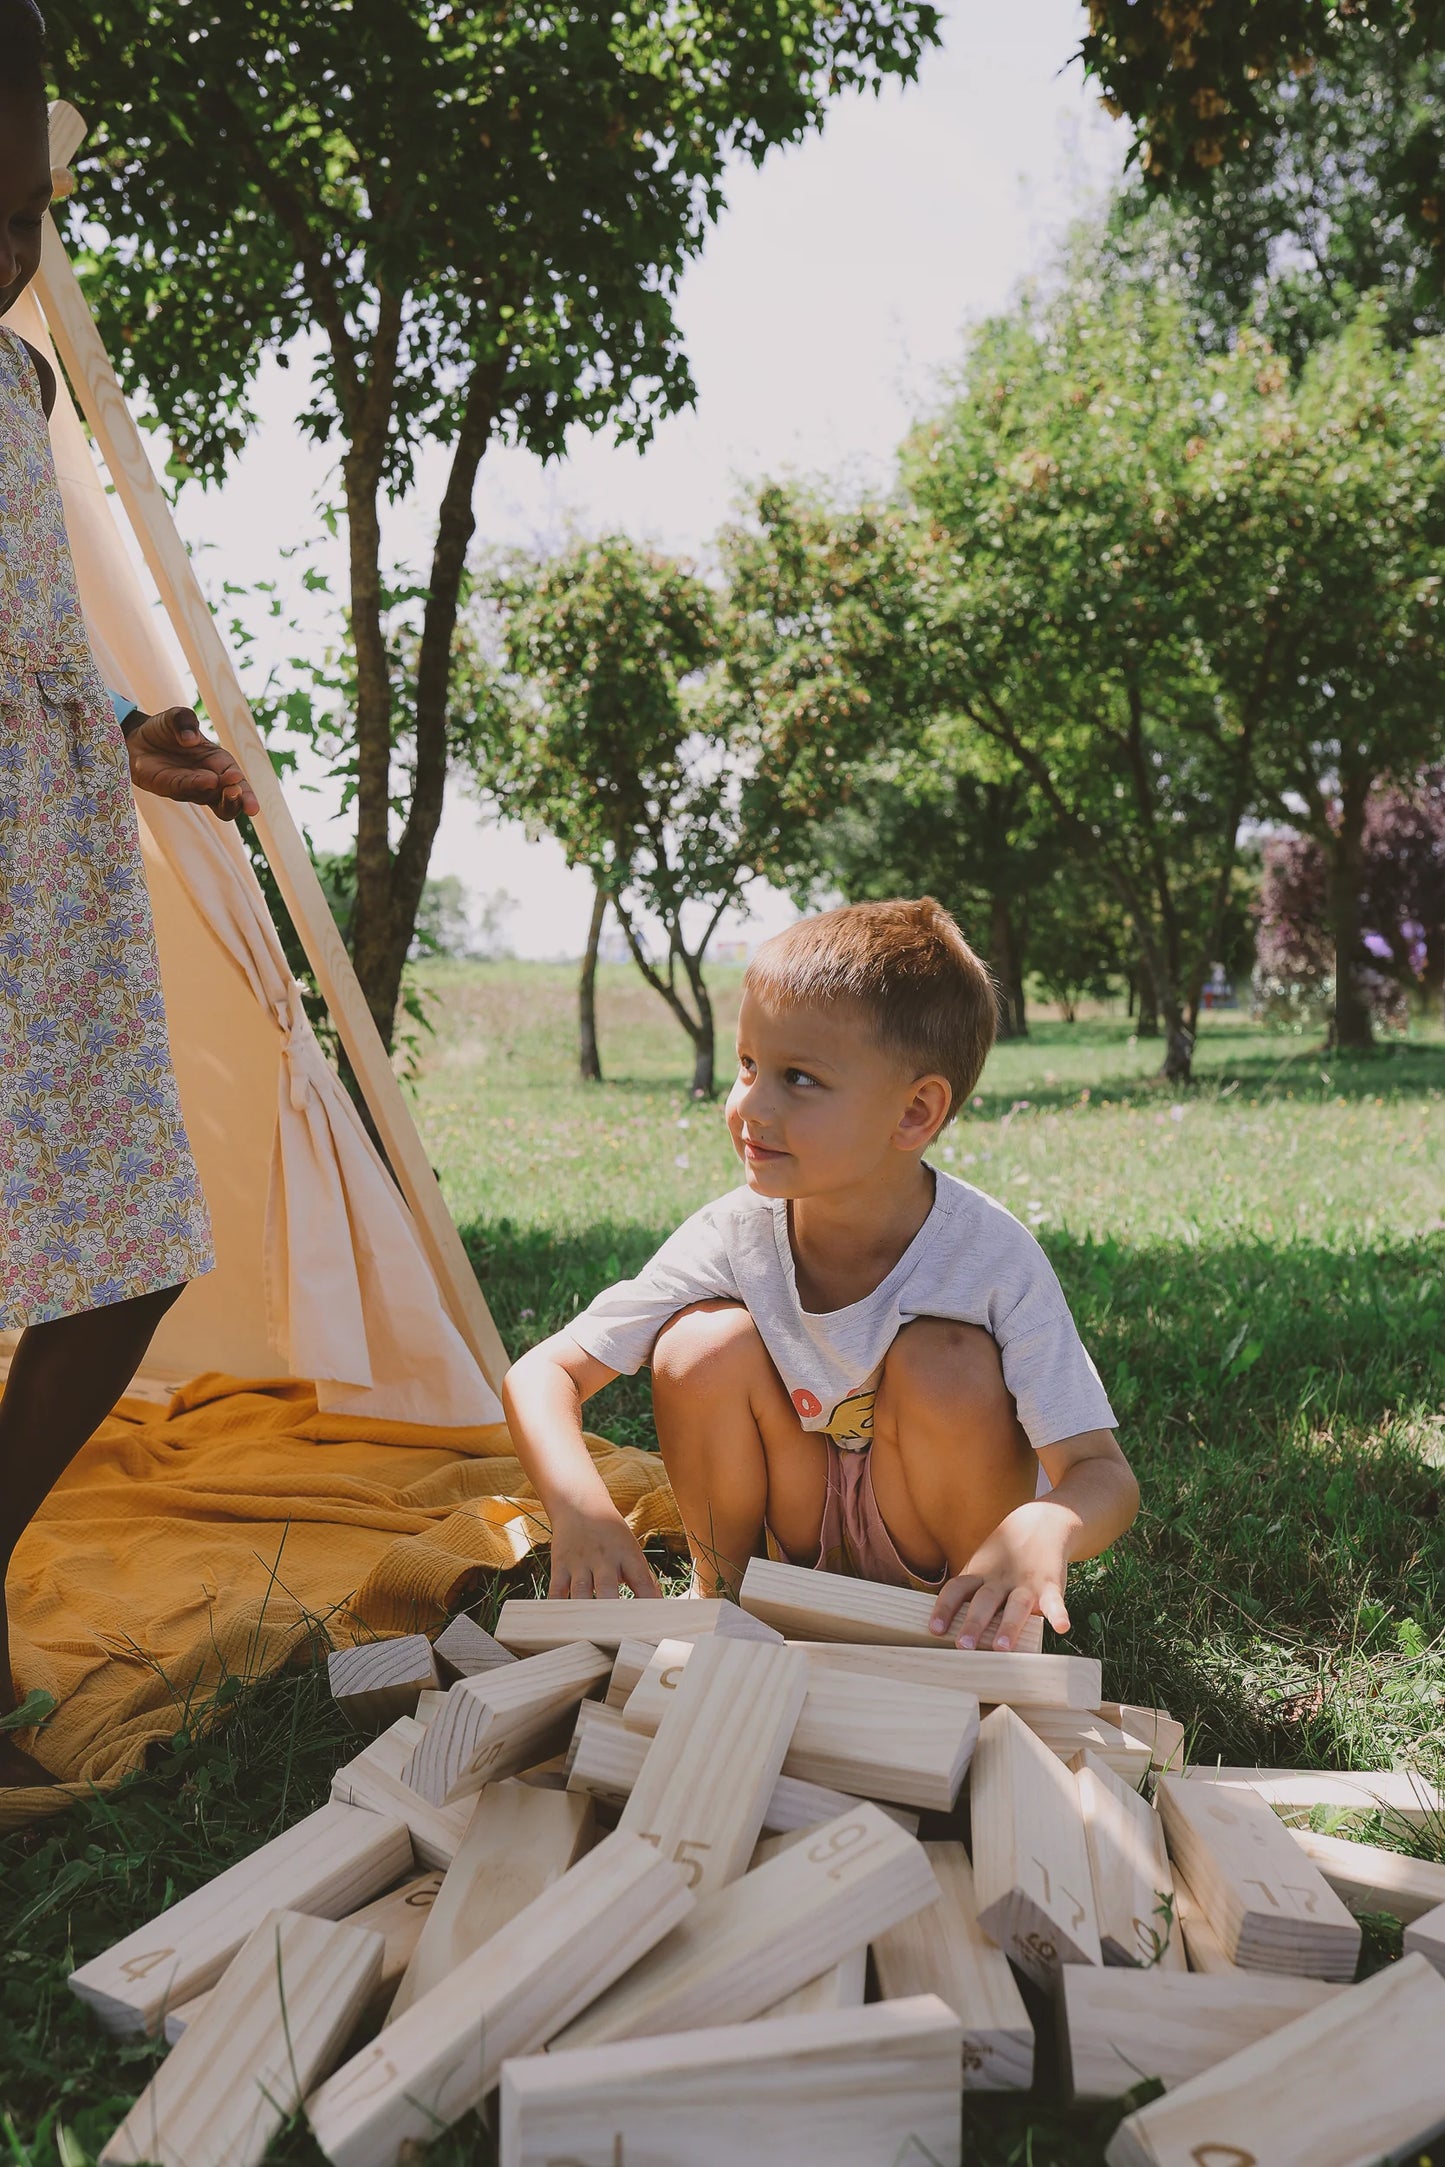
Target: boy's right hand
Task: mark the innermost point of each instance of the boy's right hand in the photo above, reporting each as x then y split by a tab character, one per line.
593	1555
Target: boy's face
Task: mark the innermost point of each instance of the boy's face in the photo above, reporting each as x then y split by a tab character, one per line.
24	193
819	1106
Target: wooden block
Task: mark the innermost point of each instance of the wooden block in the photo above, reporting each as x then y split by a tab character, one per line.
276	2023
605	1759
809	1605
943	1950
503	1720
717	1754
1012	1680
529	1628
509	1997
1425	1937
374	1780
519	1841
843	1985
741	1949
1369	1879
1030	1857
378	1680
1398	1794
855	2088
430	1704
880	1738
1129	1866
1355	2081
1151	1727
463	1649
398	1917
1067	1732
327	1865
1119	2027
1271	1907
1202	1945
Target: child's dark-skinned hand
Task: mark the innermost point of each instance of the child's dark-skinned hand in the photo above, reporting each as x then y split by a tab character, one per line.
171	759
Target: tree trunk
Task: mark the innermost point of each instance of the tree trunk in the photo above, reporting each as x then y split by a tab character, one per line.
1351	1030
1178	1043
1007	969
589	1061
704	1083
1147	1025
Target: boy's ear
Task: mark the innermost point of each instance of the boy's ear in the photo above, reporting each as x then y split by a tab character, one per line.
925	1113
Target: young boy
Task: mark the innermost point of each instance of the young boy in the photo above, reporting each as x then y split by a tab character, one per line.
857	1358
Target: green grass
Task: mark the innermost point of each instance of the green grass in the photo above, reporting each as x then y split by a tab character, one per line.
1259	1268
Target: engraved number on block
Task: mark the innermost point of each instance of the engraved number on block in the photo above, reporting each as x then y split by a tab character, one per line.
1222	2155
684	1853
1036	1946
1266	1890
669	1679
136	1967
423	1899
1044	1877
840	1846
1308	1898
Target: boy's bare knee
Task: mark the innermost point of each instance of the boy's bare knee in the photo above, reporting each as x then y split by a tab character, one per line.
709	1340
944	1362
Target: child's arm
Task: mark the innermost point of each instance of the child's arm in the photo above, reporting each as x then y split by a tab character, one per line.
1024	1563
594	1551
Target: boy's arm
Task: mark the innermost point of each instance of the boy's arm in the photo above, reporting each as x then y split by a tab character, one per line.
594	1551
1024	1564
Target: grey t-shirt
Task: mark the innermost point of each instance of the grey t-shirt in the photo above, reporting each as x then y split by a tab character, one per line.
970	1261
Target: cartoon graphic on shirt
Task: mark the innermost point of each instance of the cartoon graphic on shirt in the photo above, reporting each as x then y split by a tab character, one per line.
850	1425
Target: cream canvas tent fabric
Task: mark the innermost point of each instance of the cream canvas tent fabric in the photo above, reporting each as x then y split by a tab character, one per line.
321	1272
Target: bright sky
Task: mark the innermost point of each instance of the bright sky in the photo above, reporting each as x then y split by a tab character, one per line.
836	286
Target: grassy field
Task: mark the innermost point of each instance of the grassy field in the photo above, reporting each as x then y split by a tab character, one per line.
1259	1268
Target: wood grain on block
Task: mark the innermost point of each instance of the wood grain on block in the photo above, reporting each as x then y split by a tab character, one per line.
1353	2082
943	1950
529	1627
503	1720
711	1768
1202	1945
519	1842
1030	1857
1367	1878
843	1985
374	1780
509	1997
630	1661
326	1865
398	1917
1271	1907
378	1680
808	1605
277	2022
1012	1680
1119	2027
464	1648
1425	1937
1151	1727
605	1759
1398	1794
1129	1864
743	1948
880	1738
855	2088
430	1704
1067	1732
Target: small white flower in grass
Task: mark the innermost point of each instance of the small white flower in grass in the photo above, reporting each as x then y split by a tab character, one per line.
681	1160
1177	1113
683	1122
526	1315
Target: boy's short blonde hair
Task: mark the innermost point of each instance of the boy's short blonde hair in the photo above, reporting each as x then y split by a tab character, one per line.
927	996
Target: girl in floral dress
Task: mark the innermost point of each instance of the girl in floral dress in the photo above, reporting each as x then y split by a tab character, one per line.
102	1221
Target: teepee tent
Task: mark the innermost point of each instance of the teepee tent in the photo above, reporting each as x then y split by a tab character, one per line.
327	1268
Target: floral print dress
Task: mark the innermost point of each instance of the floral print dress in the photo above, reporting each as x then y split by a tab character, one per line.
99	1198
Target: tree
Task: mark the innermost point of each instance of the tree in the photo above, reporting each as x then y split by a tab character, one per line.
593	733
1201	83
470	222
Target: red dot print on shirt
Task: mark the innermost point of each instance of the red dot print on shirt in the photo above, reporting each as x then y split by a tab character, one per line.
807	1403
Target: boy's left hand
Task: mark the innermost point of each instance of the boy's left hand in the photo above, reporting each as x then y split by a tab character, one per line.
1021	1568
170	758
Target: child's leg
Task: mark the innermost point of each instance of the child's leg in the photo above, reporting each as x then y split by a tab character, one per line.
949	1457
735	1451
64	1379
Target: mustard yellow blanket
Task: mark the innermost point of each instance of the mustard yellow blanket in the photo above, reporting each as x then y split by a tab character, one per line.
210	1538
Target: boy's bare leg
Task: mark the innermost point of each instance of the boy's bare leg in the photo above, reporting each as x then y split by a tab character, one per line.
950	1459
64	1379
735	1451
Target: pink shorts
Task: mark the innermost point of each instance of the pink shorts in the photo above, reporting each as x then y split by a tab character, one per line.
853	1538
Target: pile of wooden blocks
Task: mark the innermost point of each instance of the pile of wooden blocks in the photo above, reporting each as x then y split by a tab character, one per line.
654	1870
